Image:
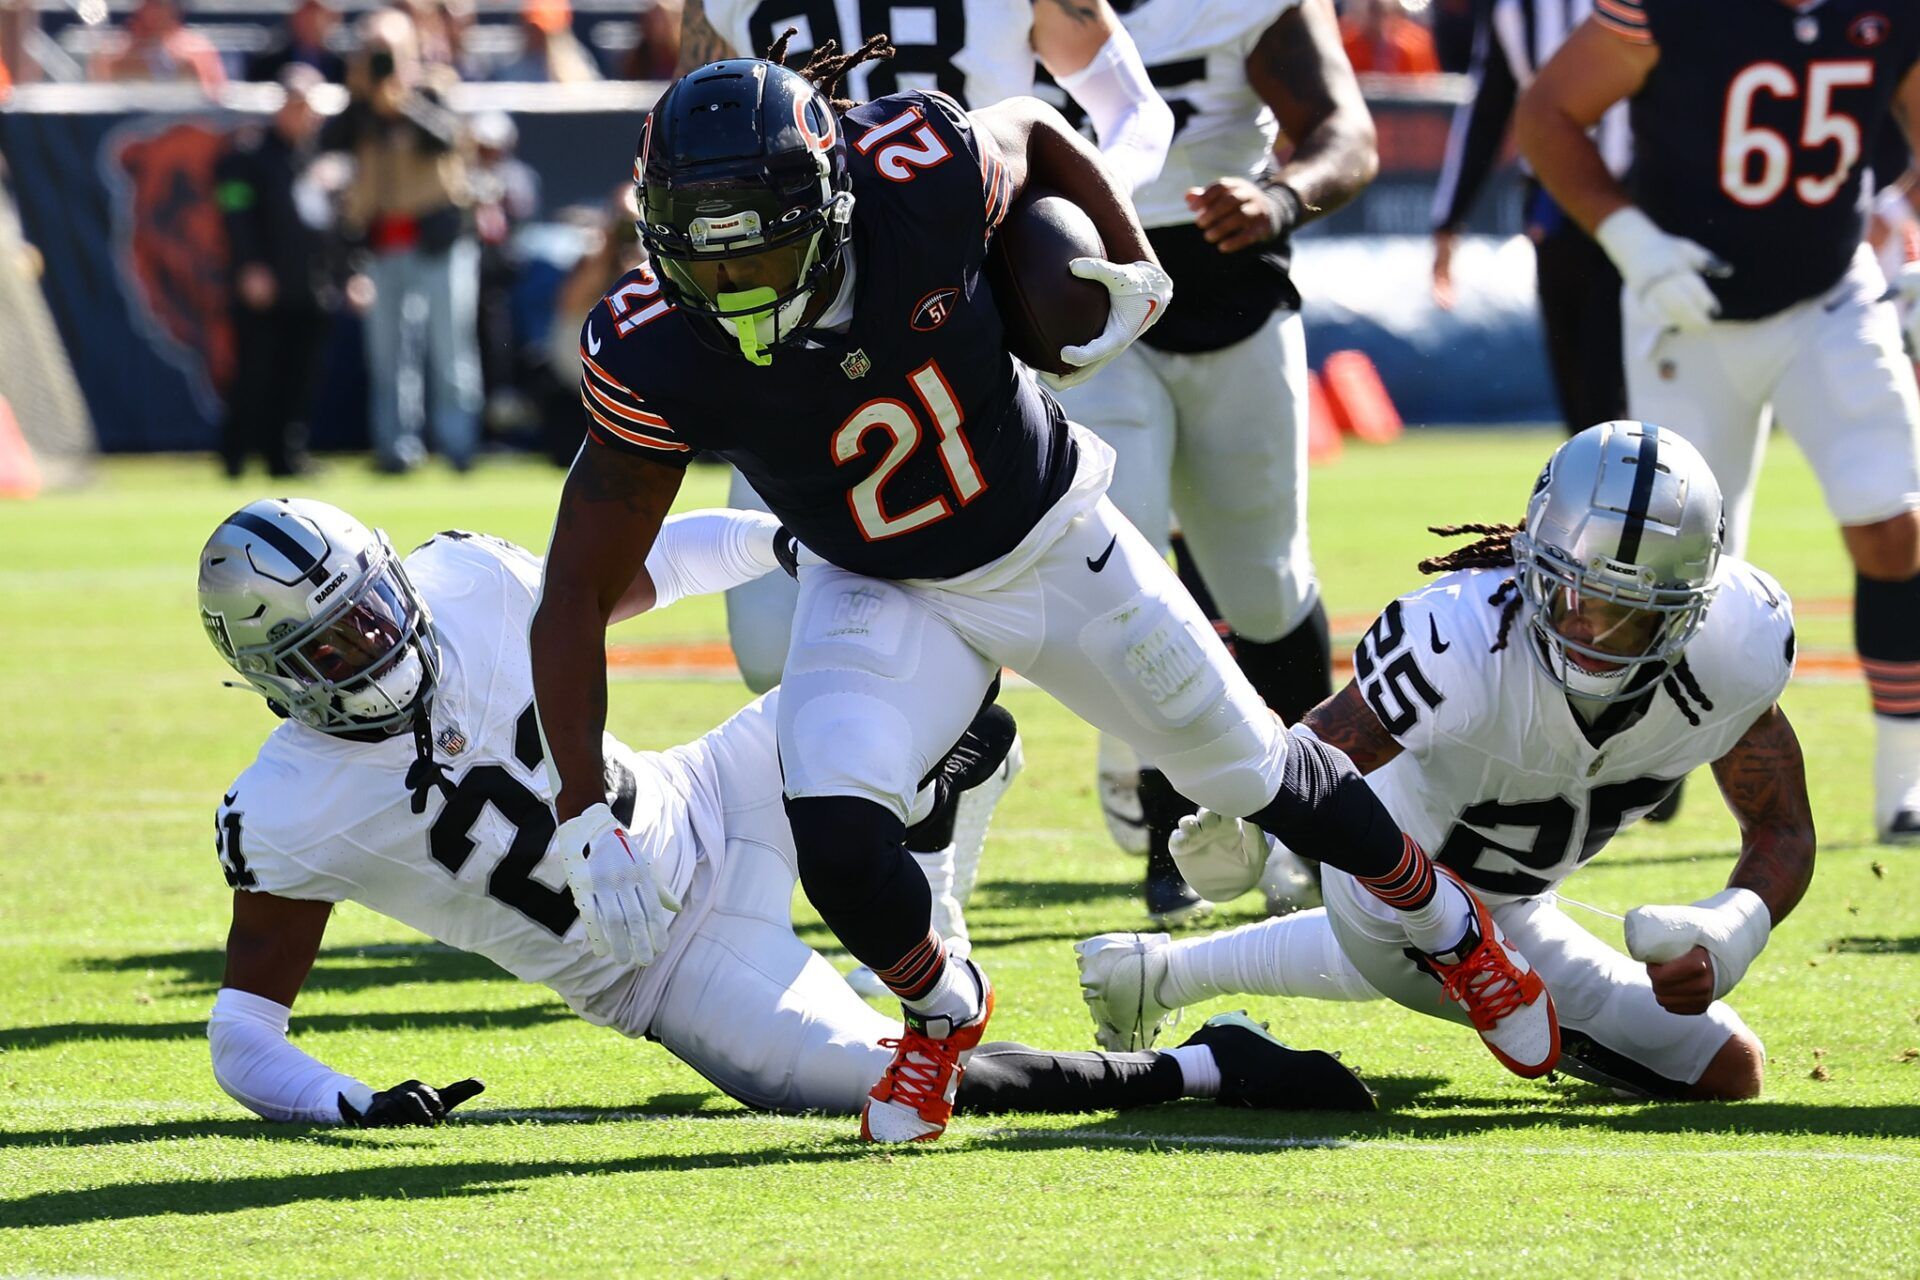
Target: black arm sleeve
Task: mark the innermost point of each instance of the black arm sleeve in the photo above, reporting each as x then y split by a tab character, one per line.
1479	128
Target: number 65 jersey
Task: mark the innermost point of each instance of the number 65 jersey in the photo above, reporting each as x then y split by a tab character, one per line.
1501	779
319	817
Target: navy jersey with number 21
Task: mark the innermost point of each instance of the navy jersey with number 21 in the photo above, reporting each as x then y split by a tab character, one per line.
908	446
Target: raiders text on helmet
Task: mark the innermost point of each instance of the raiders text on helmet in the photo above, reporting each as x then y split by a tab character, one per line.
315	612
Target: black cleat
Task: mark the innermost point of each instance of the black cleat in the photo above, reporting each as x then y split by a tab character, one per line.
1669	809
1903	829
1256	1070
982	749
1170	899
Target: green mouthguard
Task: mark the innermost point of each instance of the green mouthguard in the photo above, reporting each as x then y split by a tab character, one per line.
744	326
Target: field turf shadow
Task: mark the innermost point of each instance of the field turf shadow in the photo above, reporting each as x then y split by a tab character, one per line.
56	1033
336	969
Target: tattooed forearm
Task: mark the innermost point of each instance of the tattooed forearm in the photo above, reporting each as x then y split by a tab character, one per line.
1765	782
1347	722
1300	70
699	42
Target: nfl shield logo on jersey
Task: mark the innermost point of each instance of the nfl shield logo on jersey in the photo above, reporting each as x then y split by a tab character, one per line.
451	740
856	364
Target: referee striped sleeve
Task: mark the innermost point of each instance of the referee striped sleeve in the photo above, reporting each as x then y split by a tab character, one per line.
1624	18
618	417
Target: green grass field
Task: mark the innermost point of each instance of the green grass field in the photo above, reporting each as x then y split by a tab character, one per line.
593	1154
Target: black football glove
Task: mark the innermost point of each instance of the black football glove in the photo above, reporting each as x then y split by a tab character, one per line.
411	1103
786	549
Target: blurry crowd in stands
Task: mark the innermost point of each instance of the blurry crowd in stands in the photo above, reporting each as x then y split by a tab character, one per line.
406	216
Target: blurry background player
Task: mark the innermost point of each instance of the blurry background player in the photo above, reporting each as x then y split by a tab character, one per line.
977	52
279	265
1207	414
1578	287
399	681
1748	289
1515	715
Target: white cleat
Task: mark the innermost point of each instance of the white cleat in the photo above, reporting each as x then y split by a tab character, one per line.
1117	783
1120	976
1288	881
971	820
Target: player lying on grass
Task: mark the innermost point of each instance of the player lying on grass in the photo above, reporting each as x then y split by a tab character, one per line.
1514	715
408	777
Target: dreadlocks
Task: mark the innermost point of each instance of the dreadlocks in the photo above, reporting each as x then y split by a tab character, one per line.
1494	550
827	66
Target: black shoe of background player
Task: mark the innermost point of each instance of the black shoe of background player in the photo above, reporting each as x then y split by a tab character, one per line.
1667	810
982	749
1170	899
1256	1070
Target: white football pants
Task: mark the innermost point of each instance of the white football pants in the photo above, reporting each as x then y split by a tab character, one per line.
883	676
1219	439
1833	368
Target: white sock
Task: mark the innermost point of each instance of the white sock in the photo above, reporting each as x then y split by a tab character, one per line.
1199	1072
939	868
1295	955
1896	766
954	995
1441	925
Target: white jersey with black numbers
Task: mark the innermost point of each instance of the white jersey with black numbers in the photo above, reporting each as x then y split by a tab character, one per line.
1196	54
320	817
1500	778
979	51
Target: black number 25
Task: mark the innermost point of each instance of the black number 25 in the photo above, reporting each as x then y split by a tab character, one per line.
1389	677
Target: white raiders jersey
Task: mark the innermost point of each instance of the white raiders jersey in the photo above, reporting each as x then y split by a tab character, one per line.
1196	54
979	51
1500	779
319	817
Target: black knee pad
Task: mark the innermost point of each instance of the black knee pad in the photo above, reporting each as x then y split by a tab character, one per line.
1326	811
841	843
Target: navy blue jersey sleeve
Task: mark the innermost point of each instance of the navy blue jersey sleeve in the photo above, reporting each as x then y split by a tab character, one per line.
927	137
612	346
1624	18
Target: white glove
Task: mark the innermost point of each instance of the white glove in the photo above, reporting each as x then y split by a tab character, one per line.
1663	273
1220	857
1140	293
1732	925
625	909
1905	296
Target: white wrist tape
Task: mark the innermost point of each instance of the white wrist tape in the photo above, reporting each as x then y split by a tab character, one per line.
1133	123
702	552
1630	238
1733	926
259	1069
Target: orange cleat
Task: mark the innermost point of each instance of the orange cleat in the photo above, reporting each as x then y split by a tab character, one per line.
1504	998
914	1100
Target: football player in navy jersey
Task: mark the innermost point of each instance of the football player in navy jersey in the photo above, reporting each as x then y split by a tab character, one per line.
1748	290
820	318
978	52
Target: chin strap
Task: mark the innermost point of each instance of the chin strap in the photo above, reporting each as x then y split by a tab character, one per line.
425	773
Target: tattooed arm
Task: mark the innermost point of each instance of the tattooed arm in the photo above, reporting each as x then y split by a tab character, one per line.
1067	33
1347	722
699	42
1301	71
1765	783
610	512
